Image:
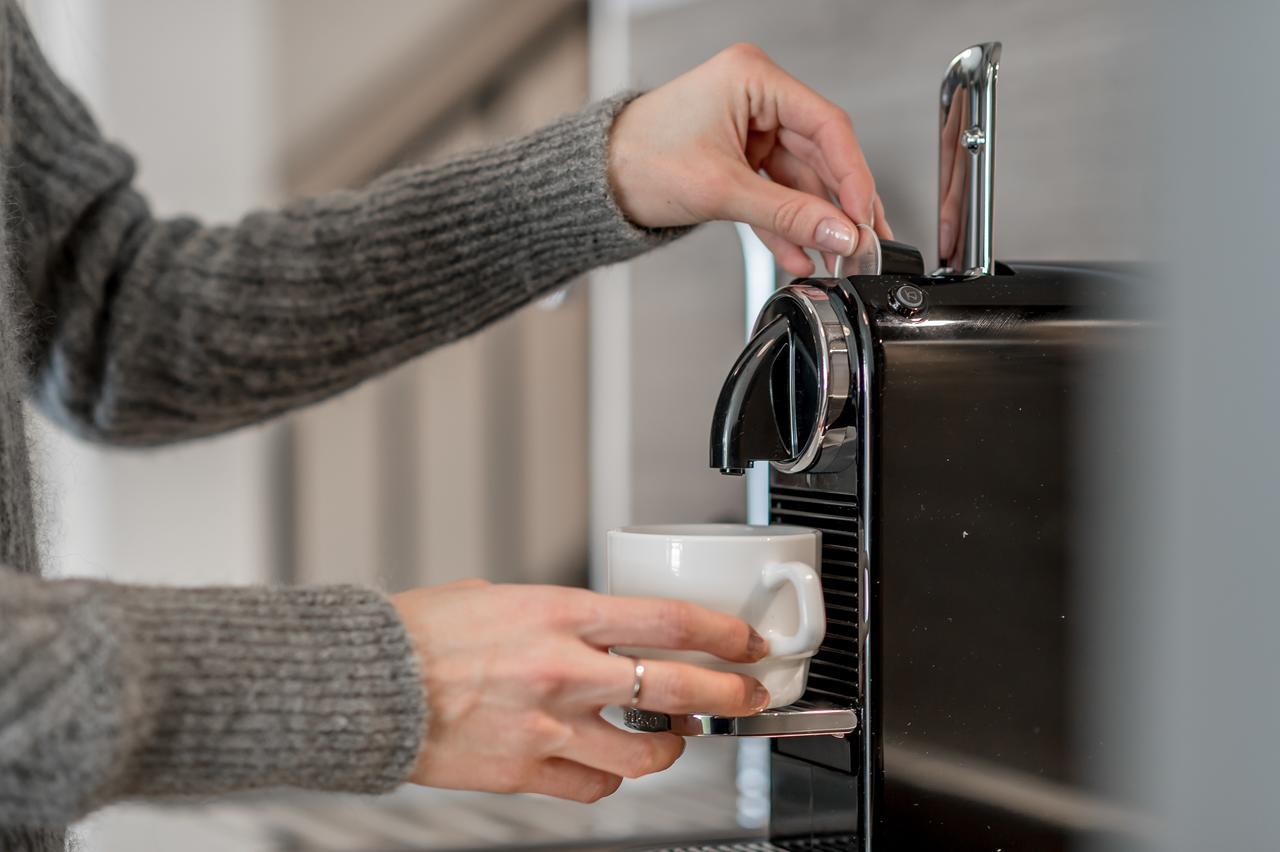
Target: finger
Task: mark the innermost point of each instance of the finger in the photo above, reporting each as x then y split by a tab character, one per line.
797	217
789	255
882	223
808	114
848	191
759	144
566	779
599	745
466	583
671	687
789	170
665	623
809	154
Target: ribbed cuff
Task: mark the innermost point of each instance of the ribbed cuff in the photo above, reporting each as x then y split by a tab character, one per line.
629	238
241	688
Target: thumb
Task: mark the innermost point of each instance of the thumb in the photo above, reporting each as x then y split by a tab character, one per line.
798	217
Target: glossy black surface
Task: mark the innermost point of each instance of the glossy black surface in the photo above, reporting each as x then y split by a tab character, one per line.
978	526
745	428
976	521
811	801
900	259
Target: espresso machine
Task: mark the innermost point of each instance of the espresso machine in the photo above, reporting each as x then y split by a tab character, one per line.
928	423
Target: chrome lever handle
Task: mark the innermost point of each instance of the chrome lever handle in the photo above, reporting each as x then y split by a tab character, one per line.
966	161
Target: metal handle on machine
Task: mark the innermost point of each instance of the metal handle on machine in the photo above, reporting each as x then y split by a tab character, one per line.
966	161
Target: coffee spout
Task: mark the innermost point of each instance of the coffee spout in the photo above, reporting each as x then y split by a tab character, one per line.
745	427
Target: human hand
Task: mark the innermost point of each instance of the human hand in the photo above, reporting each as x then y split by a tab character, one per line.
516	677
691	151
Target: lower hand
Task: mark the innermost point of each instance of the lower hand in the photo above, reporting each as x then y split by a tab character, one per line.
516	676
692	151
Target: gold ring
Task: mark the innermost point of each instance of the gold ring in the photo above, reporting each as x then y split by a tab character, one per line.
638	682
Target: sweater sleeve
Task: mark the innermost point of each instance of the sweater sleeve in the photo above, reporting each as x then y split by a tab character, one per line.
112	692
148	330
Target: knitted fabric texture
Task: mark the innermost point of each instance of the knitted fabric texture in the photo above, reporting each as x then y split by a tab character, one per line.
135	330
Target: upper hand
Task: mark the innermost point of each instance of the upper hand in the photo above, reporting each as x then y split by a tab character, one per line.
691	151
516	676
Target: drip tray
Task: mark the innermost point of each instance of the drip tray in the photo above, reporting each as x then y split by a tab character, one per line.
802	719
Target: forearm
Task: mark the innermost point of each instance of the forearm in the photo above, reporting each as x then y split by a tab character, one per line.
209	328
149	330
110	692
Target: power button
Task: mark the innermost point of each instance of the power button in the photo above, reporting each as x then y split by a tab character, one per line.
907	300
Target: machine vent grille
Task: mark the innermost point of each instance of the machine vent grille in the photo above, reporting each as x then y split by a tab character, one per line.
833	672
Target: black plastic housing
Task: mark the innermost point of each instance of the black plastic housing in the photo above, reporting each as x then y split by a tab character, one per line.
971	628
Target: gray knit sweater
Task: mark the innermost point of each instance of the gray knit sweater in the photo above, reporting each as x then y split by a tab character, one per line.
134	330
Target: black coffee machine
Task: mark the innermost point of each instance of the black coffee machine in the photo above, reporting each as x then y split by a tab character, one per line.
929	425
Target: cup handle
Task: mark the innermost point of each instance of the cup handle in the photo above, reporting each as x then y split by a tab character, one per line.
813	614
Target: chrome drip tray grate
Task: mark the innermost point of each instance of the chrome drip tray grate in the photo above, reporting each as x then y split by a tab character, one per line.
804	718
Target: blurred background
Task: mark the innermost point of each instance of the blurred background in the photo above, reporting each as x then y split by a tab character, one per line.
509	454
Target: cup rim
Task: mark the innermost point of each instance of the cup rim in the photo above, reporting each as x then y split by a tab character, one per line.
716	532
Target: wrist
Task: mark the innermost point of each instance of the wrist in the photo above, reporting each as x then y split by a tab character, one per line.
622	164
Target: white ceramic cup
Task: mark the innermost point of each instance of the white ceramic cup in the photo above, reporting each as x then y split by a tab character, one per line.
767	576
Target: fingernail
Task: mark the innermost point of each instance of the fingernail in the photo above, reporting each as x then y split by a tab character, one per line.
759	699
757	647
834	235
